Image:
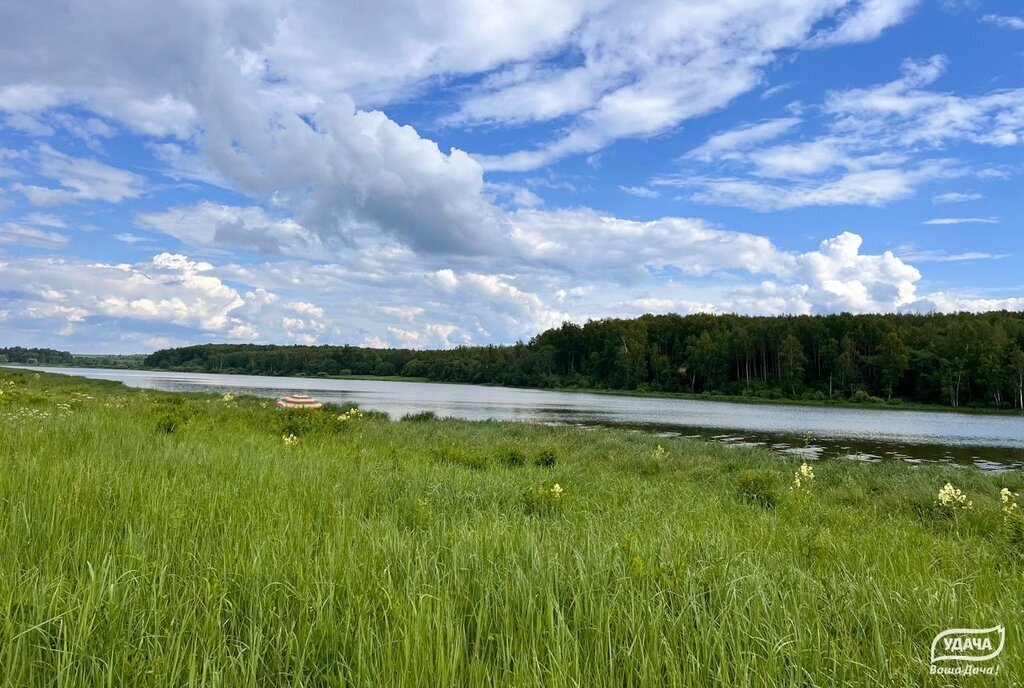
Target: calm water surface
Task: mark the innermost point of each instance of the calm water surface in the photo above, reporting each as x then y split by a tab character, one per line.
989	442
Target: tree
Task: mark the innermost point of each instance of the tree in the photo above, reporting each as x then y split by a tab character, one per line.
791	363
1016	360
848	365
893	361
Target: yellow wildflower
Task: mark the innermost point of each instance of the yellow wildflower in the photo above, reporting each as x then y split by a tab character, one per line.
1009	500
557	490
804	475
351	414
953	499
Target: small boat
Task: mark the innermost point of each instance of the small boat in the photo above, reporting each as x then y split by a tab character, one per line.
298	401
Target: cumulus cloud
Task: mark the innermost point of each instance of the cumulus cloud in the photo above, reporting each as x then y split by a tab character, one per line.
290	136
330	204
171	288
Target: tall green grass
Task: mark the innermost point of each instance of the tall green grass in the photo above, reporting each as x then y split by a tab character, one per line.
160	540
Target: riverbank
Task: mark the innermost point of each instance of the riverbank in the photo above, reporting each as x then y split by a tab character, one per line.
814	403
168	539
899	405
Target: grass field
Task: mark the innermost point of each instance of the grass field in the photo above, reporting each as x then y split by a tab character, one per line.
163	540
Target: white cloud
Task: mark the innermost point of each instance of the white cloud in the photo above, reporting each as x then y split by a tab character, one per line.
169	289
44	220
128	238
902	113
80	179
21	235
920	256
1005	22
209	224
647	67
956	197
640	191
726	144
874	149
875	187
582	242
962	221
865	21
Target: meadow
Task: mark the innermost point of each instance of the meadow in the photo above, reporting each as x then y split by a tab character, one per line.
154	539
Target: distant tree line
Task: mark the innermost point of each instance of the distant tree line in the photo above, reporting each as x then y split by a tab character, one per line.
19	354
955	360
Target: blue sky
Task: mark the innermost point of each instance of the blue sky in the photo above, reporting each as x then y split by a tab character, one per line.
313	172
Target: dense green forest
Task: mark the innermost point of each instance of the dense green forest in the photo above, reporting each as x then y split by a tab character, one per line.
19	354
957	360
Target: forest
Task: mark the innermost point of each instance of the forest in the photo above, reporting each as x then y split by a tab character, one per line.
23	356
956	360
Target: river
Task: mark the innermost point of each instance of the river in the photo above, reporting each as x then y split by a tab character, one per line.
990	442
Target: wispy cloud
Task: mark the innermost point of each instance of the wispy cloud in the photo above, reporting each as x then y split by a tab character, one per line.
1004	21
20	235
641	191
918	256
956	197
962	221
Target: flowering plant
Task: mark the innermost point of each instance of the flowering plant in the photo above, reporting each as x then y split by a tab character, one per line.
803	478
953	500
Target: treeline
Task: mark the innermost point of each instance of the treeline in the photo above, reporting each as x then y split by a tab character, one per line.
955	360
19	354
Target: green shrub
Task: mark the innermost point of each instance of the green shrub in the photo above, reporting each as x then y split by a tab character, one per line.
170	422
546	458
512	457
421	417
758	486
456	454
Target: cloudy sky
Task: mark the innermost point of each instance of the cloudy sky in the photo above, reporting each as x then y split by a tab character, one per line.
400	173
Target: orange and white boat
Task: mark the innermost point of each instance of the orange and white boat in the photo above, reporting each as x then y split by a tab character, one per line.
298	401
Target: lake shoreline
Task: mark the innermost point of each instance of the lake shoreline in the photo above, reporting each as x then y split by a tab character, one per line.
732	399
990	442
